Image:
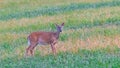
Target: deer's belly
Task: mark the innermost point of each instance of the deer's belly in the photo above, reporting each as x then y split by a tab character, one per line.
42	42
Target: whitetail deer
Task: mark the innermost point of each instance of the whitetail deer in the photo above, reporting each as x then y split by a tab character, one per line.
43	38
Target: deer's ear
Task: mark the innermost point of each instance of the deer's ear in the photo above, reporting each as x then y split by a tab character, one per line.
62	24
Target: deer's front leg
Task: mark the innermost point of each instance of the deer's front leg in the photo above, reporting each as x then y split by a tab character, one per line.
53	48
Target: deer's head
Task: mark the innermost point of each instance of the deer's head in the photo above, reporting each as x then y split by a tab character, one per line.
59	27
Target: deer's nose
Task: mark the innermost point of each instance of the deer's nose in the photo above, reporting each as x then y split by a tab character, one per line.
60	30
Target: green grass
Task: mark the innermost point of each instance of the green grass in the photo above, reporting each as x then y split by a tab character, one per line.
57	10
90	38
83	59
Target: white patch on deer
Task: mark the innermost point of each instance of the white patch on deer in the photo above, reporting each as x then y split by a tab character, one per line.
28	42
42	42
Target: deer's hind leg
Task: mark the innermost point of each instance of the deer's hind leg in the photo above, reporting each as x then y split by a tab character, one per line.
27	51
30	49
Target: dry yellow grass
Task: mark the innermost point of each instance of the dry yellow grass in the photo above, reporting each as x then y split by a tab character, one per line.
71	45
90	14
36	3
92	43
10	37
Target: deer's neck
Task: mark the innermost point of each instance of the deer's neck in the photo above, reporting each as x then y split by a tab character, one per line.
57	34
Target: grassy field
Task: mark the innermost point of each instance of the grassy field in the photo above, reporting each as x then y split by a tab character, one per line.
90	38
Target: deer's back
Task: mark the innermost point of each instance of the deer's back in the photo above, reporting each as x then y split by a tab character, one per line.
42	37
